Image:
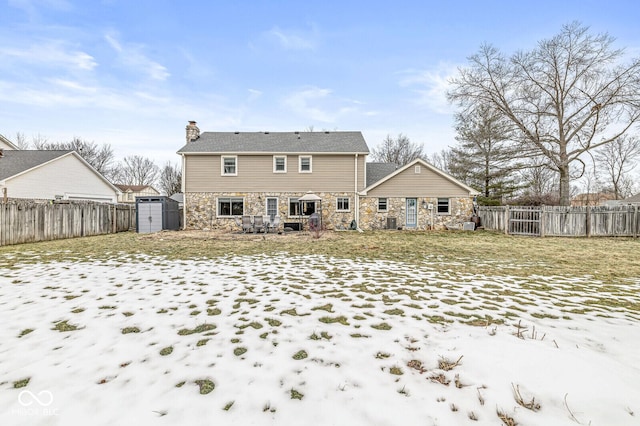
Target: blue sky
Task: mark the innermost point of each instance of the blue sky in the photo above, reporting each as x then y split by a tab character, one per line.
131	73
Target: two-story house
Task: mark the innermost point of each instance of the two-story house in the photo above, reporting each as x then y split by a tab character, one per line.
230	174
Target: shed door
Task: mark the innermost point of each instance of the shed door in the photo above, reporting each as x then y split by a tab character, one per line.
149	217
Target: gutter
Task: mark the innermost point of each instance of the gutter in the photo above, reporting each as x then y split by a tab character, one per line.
184	193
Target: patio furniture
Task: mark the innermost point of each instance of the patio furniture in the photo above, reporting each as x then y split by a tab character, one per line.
238	222
275	223
258	224
247	225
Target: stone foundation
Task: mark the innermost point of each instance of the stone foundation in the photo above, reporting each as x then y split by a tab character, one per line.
201	209
460	210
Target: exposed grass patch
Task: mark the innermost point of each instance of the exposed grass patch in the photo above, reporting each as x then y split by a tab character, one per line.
328	308
273	322
296	395
128	330
21	383
77	310
396	371
395	311
213	311
228	406
381	326
166	351
331	320
239	351
301	354
25	332
127	314
206	386
64	326
199	329
202	342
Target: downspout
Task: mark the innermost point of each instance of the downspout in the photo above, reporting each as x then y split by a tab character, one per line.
357	196
184	193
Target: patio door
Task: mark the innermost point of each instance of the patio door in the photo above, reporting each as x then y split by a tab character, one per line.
412	213
272	208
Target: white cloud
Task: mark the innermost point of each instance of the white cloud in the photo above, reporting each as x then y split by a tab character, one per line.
293	40
132	57
306	103
51	53
431	85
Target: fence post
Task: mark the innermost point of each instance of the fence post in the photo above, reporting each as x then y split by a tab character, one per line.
506	220
635	221
542	216
588	221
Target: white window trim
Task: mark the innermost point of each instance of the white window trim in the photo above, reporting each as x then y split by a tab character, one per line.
385	210
266	205
274	164
222	158
417	169
448	207
300	157
342	210
230	206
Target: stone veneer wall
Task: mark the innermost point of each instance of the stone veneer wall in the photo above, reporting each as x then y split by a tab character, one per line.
201	209
460	209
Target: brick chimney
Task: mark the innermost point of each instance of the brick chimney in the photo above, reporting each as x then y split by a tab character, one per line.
193	132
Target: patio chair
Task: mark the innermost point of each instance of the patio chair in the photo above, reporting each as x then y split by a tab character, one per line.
258	224
275	223
238	222
246	224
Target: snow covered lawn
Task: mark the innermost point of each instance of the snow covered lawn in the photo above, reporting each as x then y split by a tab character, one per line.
312	340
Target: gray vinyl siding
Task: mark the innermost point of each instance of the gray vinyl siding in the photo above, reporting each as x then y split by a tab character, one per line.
424	184
330	173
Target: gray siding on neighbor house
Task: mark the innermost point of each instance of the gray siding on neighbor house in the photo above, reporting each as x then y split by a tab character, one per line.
427	183
330	173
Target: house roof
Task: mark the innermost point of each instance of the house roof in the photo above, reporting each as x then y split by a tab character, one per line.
133	188
7	142
633	199
277	142
377	171
15	162
428	166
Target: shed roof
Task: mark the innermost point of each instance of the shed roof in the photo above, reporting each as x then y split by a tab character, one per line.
277	142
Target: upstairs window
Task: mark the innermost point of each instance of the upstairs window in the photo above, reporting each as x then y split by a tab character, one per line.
305	163
279	164
229	165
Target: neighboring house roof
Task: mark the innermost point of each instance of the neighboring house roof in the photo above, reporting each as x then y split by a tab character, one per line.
16	162
8	143
134	188
633	199
377	171
429	167
277	142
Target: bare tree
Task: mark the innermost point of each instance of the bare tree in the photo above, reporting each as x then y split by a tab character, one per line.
21	141
567	96
441	159
616	160
136	170
400	151
170	181
99	156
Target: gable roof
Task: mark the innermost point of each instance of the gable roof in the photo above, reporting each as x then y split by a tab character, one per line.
14	163
377	171
277	143
633	199
429	167
7	142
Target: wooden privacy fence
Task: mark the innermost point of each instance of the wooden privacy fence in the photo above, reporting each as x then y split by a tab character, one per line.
559	221
27	222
